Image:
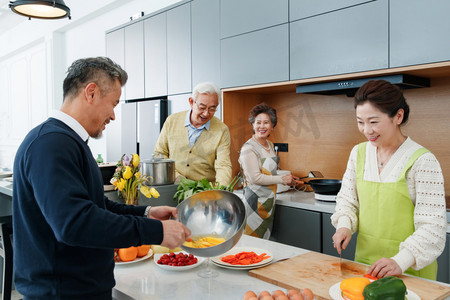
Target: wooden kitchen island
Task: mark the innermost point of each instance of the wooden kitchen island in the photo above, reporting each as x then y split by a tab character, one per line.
145	280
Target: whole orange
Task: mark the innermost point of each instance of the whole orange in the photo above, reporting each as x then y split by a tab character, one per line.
128	254
143	250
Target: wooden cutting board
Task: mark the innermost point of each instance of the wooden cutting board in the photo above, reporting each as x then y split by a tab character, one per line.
319	272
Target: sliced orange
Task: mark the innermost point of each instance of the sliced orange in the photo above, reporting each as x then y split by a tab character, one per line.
143	250
128	254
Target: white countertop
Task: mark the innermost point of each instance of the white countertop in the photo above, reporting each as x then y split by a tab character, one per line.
145	280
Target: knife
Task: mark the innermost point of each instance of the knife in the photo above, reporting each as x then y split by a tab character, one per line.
340	262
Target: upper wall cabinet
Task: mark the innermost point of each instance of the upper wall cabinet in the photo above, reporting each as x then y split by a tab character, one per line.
419	32
205	41
257	57
299	9
349	40
115	49
155	39
237	16
179	49
134	60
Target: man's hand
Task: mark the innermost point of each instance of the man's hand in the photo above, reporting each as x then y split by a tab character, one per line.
162	212
175	233
385	267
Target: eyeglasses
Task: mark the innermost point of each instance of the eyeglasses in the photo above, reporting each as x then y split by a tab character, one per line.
202	108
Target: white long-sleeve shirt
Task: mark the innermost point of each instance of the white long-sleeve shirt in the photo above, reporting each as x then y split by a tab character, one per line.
426	188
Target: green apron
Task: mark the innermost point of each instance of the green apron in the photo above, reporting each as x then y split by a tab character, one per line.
386	216
260	199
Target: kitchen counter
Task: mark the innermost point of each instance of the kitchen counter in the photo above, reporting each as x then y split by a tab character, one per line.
300	199
145	280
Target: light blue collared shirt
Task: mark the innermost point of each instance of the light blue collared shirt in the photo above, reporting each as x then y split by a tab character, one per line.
71	122
194	133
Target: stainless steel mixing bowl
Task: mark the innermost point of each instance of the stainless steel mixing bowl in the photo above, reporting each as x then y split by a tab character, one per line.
213	213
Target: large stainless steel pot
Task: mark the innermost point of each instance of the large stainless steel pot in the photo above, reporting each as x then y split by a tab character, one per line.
161	170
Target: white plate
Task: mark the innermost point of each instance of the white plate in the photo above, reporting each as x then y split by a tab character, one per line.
9	179
335	293
233	267
177	268
149	254
216	260
4	174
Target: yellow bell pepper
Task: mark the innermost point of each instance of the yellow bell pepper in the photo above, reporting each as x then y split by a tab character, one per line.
352	288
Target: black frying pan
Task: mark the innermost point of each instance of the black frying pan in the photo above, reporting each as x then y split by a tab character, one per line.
325	186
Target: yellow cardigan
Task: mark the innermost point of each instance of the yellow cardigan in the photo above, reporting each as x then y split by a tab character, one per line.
209	157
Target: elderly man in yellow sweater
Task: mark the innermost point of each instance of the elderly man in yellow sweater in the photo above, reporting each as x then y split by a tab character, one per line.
197	140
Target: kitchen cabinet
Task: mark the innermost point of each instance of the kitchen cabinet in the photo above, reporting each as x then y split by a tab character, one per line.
444	263
418	32
121	133
349	40
237	17
328	231
155	42
299	9
297	227
257	57
134	60
205	41
179	50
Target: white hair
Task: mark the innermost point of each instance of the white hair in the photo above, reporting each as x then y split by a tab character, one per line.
206	88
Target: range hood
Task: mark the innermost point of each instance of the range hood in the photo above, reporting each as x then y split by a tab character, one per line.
349	87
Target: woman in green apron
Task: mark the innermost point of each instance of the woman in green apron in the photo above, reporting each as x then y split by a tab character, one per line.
392	191
259	164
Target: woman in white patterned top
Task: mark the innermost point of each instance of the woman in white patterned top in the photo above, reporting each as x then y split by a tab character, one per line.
392	191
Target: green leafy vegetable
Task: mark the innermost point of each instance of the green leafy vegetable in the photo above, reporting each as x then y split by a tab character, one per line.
188	187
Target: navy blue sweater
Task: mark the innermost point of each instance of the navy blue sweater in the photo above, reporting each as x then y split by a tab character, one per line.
65	229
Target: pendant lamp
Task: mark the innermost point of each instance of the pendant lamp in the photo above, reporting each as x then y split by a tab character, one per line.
40	9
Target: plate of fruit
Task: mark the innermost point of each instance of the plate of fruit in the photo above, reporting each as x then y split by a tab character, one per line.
177	261
130	255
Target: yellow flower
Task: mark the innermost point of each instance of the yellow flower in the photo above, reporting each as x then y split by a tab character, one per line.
137	175
135	160
145	191
127	174
154	192
121	184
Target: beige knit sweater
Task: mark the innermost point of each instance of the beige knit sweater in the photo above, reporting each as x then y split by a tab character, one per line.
209	157
426	188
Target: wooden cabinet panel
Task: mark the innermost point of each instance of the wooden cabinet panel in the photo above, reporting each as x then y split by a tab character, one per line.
205	41
348	40
418	32
155	37
179	49
297	227
258	57
237	16
299	9
134	60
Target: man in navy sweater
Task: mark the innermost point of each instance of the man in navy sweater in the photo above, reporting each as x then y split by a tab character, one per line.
65	229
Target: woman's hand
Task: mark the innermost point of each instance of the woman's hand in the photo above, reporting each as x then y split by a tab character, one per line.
384	267
290	180
341	239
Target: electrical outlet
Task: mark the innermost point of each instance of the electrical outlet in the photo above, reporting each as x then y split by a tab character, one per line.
282	147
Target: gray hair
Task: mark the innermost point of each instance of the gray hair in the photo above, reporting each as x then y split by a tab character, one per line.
206	88
101	70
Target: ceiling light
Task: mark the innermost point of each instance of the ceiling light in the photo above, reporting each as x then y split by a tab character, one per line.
41	9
